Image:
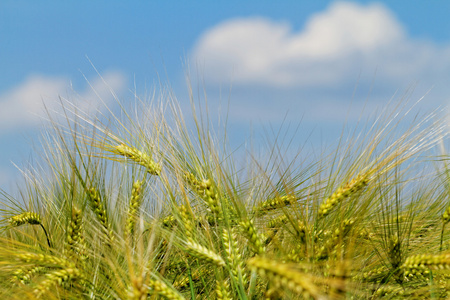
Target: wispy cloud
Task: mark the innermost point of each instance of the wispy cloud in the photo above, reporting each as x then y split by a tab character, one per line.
23	105
334	45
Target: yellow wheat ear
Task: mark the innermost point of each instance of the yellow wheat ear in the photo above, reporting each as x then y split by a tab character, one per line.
75	240
203	253
99	211
282	276
31	218
138	157
271	204
254	238
134	206
59	278
421	264
355	185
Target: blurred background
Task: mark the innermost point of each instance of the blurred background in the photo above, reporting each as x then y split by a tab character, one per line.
310	66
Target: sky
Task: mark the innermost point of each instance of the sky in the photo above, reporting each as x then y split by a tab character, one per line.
320	64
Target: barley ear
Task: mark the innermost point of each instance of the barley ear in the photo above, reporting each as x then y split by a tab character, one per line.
99	211
271	204
24	275
31	218
138	157
422	263
203	253
206	190
25	218
161	288
233	255
134	206
138	290
282	276
255	239
75	240
223	290
352	187
58	278
186	219
44	260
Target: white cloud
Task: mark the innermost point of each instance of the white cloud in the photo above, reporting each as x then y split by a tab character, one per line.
336	46
22	106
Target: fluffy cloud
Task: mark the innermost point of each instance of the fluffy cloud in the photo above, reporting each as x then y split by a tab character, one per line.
23	106
336	46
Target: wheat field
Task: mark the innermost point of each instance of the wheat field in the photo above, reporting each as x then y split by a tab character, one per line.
139	205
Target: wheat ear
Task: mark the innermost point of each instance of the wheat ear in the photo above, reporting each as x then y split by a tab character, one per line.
133	209
352	187
44	260
138	290
255	239
164	290
24	275
205	189
417	264
31	218
283	276
233	257
99	211
223	290
271	204
139	157
204	253
58	277
75	239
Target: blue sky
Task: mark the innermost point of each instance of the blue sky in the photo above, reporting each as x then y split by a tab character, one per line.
297	61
